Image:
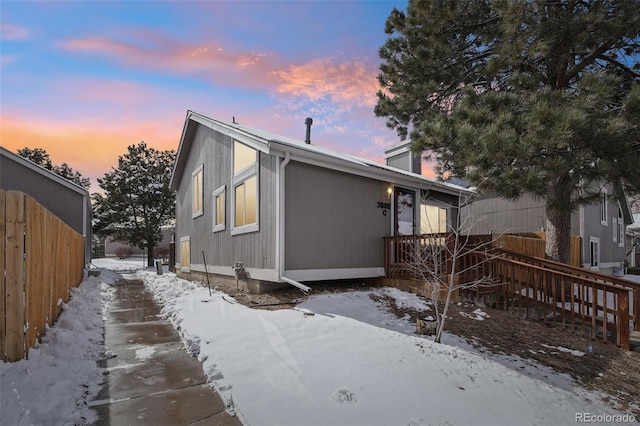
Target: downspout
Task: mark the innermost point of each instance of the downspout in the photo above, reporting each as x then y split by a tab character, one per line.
280	227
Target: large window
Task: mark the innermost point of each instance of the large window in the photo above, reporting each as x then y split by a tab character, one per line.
433	219
245	189
243	157
246	208
198	194
219	207
185	254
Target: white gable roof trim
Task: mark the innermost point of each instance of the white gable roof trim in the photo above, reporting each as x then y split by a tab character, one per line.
279	145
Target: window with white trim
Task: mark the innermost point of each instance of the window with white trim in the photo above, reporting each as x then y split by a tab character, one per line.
433	219
603	207
614	229
620	228
185	254
218	209
197	178
244	204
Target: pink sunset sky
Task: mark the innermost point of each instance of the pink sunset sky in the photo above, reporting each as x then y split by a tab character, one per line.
84	80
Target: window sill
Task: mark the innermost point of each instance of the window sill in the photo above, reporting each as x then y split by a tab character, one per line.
218	228
245	229
197	214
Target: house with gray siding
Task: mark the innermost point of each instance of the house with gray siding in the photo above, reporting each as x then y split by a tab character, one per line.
600	226
70	202
109	247
285	210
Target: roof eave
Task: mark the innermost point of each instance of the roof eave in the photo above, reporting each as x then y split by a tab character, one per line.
384	173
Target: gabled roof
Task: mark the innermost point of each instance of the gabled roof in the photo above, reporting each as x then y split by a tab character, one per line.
42	171
299	151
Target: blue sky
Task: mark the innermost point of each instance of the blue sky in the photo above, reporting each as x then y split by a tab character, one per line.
84	80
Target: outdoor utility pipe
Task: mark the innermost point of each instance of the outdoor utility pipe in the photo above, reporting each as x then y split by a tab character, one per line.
280	228
308	122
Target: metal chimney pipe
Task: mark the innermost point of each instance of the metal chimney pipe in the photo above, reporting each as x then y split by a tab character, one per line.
308	122
403	134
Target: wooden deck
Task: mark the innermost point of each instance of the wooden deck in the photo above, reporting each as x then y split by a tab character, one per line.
587	303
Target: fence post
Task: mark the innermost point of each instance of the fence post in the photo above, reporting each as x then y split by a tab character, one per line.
3	243
623	320
636	309
14	322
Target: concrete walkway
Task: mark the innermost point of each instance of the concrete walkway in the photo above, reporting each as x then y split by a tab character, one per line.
152	380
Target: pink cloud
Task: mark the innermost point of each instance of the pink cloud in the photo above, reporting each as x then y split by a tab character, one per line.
350	83
346	82
151	50
12	32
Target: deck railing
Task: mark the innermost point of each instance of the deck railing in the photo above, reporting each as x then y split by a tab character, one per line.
584	302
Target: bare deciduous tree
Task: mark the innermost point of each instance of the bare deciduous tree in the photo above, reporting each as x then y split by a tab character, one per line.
453	261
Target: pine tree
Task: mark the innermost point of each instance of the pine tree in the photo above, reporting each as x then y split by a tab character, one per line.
137	200
537	97
37	155
68	173
42	158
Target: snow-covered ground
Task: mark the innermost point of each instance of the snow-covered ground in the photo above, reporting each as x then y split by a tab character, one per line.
61	375
335	359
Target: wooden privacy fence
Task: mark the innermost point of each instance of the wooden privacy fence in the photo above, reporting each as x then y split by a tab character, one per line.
534	245
42	259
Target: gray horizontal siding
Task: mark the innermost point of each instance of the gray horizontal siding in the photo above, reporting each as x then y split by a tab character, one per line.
527	214
64	202
332	219
492	214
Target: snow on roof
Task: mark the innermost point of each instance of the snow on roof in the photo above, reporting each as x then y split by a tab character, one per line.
269	139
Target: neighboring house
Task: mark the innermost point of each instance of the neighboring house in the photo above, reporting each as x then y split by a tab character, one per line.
111	246
70	202
283	210
633	241
601	225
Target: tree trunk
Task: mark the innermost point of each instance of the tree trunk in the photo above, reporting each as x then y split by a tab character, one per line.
150	256
558	245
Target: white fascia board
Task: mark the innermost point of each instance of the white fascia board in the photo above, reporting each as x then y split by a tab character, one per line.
402	144
333	274
346	166
237	134
179	153
396	150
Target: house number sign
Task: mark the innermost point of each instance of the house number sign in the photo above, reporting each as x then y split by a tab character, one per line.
384	206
